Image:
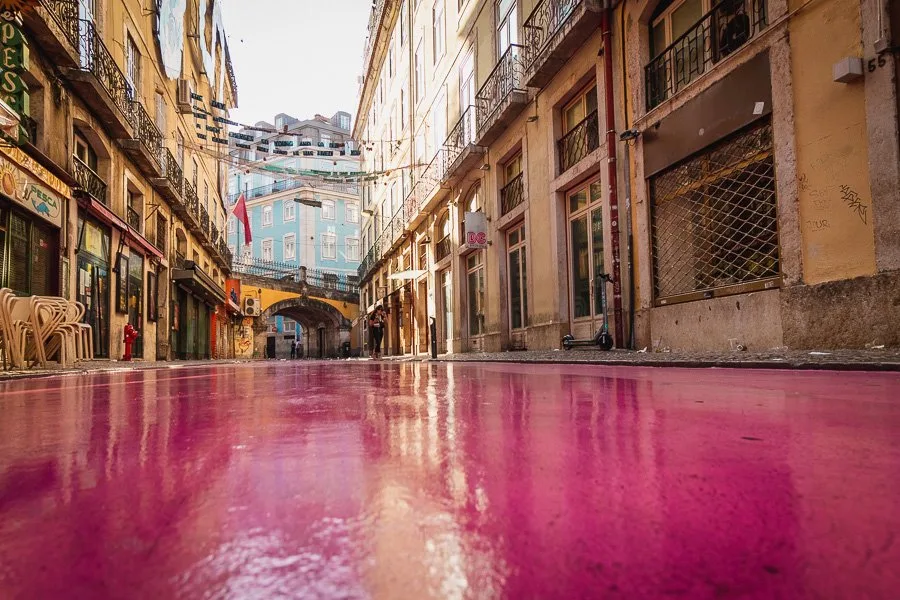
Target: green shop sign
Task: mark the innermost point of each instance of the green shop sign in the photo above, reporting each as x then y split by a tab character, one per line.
13	62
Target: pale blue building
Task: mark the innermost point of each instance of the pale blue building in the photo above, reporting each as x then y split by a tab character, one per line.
309	162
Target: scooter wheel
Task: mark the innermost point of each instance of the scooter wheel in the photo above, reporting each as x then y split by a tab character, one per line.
567	342
605	341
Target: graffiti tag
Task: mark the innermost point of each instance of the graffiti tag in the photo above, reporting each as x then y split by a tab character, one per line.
854	202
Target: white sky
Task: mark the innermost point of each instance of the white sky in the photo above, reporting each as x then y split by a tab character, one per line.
299	57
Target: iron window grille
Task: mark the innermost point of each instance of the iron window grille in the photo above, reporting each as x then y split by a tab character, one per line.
547	18
718	33
88	180
714	221
97	60
512	194
583	139
506	78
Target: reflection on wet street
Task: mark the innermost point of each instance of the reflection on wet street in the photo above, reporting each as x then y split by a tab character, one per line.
450	481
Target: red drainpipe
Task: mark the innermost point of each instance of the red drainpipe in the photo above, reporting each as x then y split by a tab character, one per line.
613	183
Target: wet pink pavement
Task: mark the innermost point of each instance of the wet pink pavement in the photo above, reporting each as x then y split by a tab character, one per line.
413	480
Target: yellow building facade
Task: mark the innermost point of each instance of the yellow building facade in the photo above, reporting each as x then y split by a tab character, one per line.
117	94
731	166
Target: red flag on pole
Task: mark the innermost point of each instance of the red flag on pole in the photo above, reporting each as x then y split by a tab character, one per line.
240	212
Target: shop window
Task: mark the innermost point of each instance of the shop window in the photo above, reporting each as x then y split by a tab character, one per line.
475	273
518	277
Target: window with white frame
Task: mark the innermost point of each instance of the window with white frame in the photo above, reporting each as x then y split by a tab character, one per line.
289	326
352	212
419	72
289	212
507	29
132	64
290	247
267	250
328	209
437	24
439	119
267	216
232	225
247	251
329	249
352	248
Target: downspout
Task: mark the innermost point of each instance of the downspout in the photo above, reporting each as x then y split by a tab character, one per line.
611	141
630	200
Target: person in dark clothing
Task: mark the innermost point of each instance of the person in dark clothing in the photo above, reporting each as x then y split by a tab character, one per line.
293	350
376	324
735	26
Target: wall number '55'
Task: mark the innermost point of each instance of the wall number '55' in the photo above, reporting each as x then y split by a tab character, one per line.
881	61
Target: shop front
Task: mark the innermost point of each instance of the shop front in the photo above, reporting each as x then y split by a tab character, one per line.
193	309
32	205
92	279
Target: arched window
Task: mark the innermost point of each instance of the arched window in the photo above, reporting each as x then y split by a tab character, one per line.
473	204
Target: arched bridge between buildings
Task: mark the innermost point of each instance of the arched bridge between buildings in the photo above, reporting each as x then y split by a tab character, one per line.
327	316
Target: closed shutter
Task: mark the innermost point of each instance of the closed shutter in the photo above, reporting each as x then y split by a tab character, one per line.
18	254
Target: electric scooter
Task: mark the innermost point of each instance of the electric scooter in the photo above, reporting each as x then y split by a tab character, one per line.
602	338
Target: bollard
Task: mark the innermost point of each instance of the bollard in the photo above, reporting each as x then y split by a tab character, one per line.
433	330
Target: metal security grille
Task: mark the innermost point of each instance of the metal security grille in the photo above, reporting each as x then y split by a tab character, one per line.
714	221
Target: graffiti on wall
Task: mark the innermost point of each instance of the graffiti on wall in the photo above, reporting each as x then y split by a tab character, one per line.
243	342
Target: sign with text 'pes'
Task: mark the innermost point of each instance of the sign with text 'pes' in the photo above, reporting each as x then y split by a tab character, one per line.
476	230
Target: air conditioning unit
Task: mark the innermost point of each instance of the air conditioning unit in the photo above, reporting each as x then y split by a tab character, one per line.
185	104
251	307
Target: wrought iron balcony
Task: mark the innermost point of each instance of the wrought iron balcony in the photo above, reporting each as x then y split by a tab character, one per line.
102	84
192	204
502	97
88	181
134	220
512	194
461	153
443	248
53	26
170	181
229	67
718	33
578	143
204	221
553	32
147	144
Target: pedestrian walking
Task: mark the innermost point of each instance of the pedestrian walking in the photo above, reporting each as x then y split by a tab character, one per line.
376	324
293	349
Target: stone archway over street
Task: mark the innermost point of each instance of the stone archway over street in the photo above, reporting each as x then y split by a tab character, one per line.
325	328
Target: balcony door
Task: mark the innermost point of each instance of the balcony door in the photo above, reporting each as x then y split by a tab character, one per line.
507	26
585	258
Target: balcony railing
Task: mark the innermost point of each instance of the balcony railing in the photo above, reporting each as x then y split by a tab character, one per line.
461	136
180	261
443	248
341	282
718	33
578	143
190	198
65	13
88	180
97	60
512	194
231	78
134	220
505	79
204	219
173	170
146	132
545	20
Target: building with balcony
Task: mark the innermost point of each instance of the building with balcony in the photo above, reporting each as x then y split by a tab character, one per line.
302	200
132	206
716	160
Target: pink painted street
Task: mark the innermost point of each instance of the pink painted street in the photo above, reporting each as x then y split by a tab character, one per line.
416	480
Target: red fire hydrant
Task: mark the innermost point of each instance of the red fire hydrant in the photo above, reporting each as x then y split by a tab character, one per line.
131	334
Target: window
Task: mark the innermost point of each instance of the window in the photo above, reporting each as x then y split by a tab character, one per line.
475	271
289	211
161	113
232	225
267	253
586	250
437	25
290	247
439	119
507	29
467	81
443	246
390	59
581	128
403	20
132	65
247	252
518	296
352	249
512	194
352	212
267	216
85	153
345	122
328	209
403	94
329	251
420	73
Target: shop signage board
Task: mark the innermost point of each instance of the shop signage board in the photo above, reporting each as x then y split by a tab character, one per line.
29	191
13	62
476	230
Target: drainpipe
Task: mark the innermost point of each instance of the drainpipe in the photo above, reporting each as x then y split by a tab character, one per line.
611	141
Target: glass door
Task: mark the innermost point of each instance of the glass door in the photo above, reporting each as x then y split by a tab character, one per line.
586	255
518	296
446	310
136	301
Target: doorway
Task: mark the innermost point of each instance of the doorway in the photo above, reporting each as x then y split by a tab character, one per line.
585	212
446	311
270	346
